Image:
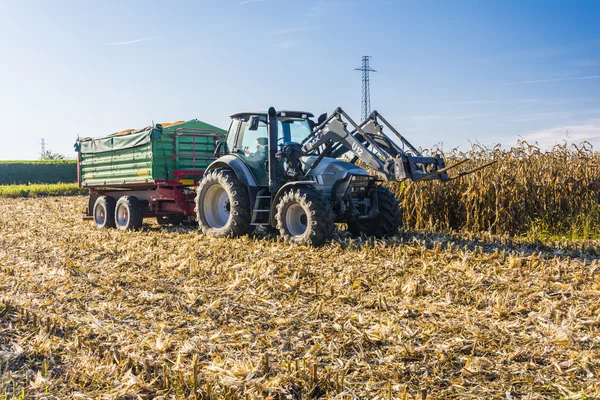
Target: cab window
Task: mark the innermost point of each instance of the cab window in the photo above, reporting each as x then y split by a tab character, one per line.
254	143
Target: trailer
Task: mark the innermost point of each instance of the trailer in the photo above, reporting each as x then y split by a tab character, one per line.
146	173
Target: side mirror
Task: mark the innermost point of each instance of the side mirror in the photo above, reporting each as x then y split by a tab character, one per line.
254	121
322	118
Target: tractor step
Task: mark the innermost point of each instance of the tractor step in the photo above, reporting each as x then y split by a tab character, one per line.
262	209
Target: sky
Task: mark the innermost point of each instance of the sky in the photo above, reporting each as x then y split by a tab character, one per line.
449	73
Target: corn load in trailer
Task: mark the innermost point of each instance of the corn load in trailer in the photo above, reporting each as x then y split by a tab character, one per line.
277	169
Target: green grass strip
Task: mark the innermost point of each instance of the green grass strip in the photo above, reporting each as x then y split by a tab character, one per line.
38	162
42	190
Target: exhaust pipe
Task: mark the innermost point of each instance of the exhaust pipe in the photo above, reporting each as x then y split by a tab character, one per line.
272	125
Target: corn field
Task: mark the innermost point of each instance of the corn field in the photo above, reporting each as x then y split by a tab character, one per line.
167	313
554	192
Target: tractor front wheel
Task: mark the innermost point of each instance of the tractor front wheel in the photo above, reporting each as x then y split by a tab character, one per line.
305	217
388	221
223	205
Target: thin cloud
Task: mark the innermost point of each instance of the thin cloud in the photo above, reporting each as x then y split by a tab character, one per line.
588	131
578	78
585	63
241	3
287	31
474	102
128	42
564	79
458	118
426	117
287	44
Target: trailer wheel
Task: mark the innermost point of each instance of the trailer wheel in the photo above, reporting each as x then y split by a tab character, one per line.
128	213
305	217
388	221
223	205
104	212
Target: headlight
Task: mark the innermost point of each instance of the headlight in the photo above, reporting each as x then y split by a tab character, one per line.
360	180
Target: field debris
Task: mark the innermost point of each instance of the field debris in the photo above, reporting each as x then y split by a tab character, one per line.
170	313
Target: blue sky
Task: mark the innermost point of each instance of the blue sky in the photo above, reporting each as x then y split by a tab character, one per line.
449	72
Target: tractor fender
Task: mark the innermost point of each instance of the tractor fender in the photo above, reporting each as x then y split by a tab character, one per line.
280	193
240	169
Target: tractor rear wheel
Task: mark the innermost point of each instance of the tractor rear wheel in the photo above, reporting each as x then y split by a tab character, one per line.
305	217
223	205
128	213
104	212
388	221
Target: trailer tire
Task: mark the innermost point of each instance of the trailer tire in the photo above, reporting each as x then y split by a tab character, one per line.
104	212
223	205
386	224
305	217
128	214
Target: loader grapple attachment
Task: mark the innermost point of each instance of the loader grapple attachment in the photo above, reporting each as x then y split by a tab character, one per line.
392	159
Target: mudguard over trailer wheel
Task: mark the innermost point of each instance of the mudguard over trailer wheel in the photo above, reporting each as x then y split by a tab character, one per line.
222	205
104	212
388	221
304	217
128	213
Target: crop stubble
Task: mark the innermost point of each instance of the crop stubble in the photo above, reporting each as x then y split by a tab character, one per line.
104	314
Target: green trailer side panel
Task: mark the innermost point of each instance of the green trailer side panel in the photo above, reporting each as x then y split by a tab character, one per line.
176	153
177	150
118	167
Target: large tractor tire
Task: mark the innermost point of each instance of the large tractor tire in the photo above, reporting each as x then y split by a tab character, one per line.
129	214
222	205
104	212
388	221
305	217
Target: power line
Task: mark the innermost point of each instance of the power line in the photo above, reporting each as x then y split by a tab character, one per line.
366	87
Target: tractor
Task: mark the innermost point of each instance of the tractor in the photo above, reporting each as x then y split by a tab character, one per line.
285	172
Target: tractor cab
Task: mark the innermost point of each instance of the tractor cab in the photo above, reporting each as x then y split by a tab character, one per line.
248	137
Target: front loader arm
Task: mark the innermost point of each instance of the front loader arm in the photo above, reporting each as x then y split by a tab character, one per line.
333	134
392	159
373	148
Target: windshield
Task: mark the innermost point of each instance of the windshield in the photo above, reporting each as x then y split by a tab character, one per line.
293	129
289	130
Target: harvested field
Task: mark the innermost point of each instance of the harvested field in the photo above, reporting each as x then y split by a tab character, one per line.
170	313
